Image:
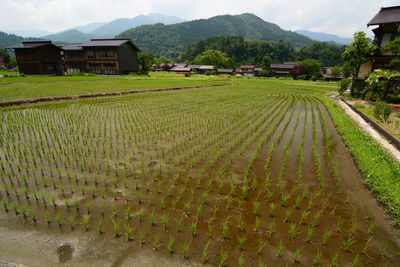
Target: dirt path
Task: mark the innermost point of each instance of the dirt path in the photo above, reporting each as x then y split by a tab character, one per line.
394	152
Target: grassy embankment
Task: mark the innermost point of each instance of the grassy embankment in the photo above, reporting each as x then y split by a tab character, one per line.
381	173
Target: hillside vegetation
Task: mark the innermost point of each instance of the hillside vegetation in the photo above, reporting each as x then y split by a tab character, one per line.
254	52
171	40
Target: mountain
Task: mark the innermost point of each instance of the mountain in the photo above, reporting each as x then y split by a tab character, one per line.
171	40
30	33
325	37
119	25
71	36
7	40
90	27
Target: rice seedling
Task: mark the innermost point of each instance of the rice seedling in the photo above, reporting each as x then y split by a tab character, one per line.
288	213
100	226
317	257
241	241
297	255
279	249
356	261
293	231
206	253
185	248
141	238
334	260
71	222
304	216
257	224
347	243
241	260
156	244
223	257
272	209
171	244
165	221
85	222
128	232
116	228
194	229
325	237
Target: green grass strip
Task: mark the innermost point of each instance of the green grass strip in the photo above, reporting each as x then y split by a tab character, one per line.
381	173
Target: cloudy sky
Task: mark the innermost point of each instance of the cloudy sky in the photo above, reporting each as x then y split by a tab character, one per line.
341	17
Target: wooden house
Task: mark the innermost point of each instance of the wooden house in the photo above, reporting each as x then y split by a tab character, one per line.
74	59
204	69
246	70
3	65
284	69
386	23
225	71
38	58
111	56
181	70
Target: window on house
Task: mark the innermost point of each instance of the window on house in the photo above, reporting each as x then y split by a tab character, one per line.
386	38
95	68
90	53
106	53
109	69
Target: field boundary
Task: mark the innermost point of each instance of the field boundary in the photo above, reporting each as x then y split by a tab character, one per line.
393	141
378	168
72	97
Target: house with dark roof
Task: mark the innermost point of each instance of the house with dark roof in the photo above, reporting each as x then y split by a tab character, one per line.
386	23
73	57
38	58
111	56
225	71
283	69
203	69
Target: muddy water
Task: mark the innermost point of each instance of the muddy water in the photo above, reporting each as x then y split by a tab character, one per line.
345	211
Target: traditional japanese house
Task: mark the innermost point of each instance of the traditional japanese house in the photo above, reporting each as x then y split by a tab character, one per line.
386	23
284	69
204	69
38	58
225	71
111	56
74	59
246	70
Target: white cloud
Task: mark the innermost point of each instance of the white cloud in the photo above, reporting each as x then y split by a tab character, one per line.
341	17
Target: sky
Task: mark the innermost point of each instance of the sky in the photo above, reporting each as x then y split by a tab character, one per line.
340	17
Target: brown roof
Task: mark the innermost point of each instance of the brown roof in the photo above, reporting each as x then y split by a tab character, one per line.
282	66
225	70
108	42
180	69
206	67
247	67
386	15
32	44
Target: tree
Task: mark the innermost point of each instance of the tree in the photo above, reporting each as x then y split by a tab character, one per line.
383	81
356	54
312	68
145	61
215	58
266	62
6	57
394	47
336	71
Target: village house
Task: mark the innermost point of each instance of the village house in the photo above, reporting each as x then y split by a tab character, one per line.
2	63
73	57
284	69
111	56
246	70
387	21
181	70
38	58
204	69
225	71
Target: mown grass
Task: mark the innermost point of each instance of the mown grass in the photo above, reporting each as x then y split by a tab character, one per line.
381	173
12	88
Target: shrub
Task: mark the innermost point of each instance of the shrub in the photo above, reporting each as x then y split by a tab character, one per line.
393	98
358	105
382	111
344	85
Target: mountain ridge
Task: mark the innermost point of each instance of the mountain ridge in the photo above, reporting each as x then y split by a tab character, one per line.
171	40
325	37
